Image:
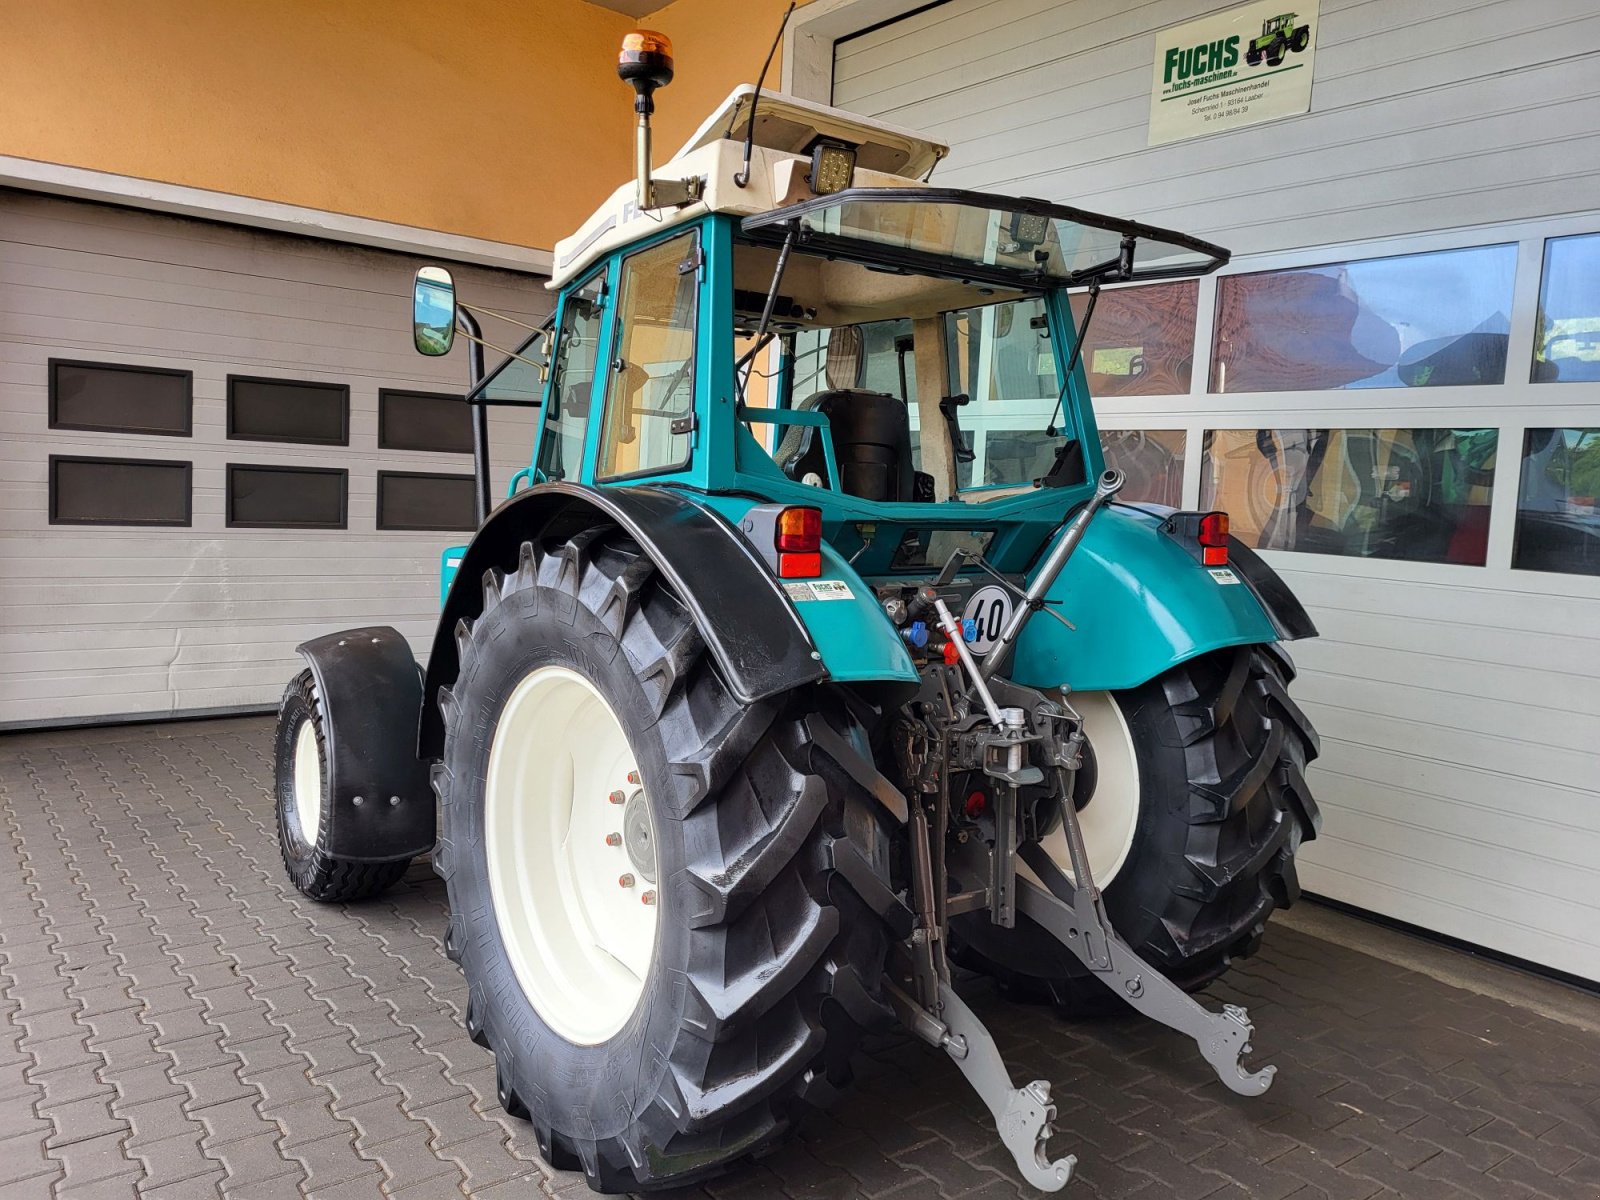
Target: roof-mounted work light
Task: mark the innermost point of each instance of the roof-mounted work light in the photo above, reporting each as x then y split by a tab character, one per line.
833	166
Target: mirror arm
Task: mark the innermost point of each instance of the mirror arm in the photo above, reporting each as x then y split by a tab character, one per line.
489	312
473	332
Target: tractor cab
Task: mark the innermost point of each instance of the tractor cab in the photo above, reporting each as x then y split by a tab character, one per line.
835	333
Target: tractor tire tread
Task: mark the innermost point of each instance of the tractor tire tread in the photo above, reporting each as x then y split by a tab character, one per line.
774	933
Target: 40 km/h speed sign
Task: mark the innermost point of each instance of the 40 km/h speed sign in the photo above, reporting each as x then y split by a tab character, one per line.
989	609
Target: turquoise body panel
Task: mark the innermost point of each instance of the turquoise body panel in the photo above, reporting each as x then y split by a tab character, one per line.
857	642
1141	605
449	564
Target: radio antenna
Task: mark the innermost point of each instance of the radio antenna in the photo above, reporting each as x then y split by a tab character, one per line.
742	179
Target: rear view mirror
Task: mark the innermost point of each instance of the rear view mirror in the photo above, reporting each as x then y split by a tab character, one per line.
433	311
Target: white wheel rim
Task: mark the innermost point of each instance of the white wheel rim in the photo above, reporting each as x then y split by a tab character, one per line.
1111	817
307	782
580	940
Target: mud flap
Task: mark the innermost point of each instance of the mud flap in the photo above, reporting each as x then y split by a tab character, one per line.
370	694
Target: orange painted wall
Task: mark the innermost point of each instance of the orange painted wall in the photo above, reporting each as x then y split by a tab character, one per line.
499	119
493	118
716	45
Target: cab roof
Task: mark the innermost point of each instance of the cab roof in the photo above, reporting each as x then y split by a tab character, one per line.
790	124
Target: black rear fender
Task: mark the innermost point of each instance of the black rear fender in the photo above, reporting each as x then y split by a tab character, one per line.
760	646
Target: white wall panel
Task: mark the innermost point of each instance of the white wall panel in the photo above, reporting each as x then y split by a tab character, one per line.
105	621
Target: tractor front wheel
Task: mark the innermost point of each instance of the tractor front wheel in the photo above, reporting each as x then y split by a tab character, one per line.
1192	802
656	947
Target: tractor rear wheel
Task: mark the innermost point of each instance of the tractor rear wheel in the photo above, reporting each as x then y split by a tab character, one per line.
1301	39
1197	807
656	947
301	755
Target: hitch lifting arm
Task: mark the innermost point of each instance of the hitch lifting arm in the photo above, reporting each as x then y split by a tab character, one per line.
1068	907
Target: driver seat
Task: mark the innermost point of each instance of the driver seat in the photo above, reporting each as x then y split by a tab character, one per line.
871	439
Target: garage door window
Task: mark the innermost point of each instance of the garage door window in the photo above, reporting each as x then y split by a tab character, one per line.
418	500
264	497
118	491
1416	494
1567	337
114	398
1141	341
430	421
1418	320
288	410
1152	461
1558	502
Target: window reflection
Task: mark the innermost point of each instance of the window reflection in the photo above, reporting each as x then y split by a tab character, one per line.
1141	340
1152	460
1420	320
1558	502
1416	494
1567	340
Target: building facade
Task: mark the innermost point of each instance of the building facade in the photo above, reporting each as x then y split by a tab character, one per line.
219	441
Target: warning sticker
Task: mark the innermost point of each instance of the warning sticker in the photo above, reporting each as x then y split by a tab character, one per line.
1223	575
822	589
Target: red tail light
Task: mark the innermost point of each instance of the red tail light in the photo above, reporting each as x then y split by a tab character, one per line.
797	535
1203	534
1214	539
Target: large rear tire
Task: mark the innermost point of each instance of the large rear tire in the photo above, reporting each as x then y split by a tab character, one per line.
301	759
699	1035
1220	809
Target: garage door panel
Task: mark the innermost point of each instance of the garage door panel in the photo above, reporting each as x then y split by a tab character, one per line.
1513	924
1546	805
1459	707
1505	755
124	620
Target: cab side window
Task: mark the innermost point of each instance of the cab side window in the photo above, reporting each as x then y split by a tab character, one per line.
566	415
649	417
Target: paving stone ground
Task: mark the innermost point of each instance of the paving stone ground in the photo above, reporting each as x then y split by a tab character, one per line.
176	1021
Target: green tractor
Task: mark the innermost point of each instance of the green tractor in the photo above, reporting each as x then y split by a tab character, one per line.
1279	35
811	657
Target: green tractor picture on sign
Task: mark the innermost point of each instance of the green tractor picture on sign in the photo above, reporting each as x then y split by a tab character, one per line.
1279	35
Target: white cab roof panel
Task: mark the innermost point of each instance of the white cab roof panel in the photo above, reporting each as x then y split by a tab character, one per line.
790	125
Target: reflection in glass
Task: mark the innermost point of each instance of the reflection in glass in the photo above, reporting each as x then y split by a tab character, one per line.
1421	495
1141	340
1558	502
1152	460
1567	339
651	389
1420	320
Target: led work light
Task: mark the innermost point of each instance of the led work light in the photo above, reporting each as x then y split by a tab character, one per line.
833	167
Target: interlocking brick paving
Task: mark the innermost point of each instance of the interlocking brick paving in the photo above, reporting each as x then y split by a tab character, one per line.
177	1021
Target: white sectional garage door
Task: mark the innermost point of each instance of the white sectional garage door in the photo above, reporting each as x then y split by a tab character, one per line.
191	459
1457	687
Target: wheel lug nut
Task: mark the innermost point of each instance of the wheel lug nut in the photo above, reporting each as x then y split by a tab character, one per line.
647	897
618	798
613	839
633	777
625	880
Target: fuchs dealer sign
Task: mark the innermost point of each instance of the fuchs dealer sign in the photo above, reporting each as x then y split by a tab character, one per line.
1236	68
